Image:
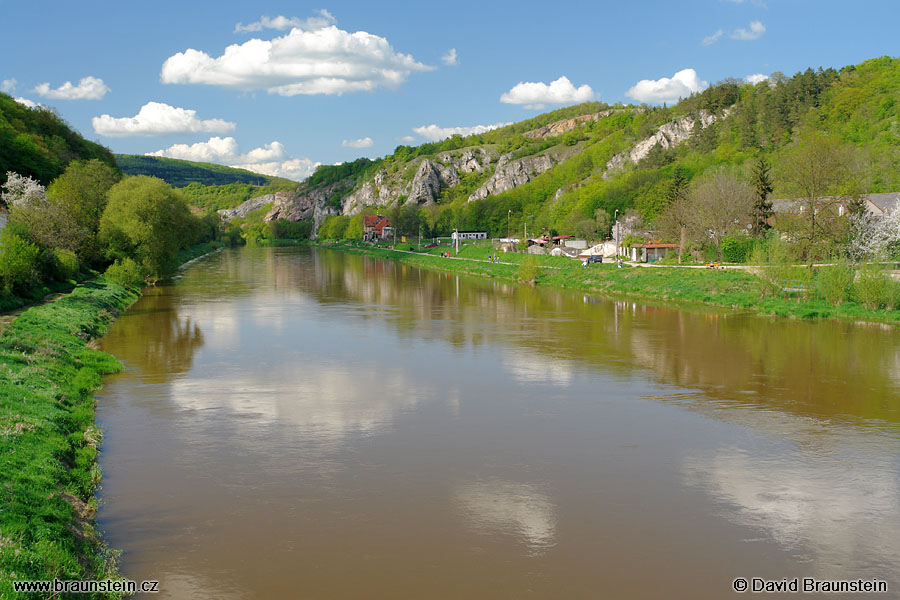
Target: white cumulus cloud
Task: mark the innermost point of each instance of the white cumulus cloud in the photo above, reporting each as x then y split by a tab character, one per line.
435	133
450	59
89	88
756	78
8	86
655	91
365	142
712	39
26	102
156	118
324	19
326	60
754	32
270	159
406	138
537	94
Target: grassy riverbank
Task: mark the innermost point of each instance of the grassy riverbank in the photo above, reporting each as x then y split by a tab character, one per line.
48	440
728	288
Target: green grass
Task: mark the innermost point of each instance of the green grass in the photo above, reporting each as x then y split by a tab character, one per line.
48	440
727	288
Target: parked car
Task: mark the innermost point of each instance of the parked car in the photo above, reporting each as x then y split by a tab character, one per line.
432	245
595	258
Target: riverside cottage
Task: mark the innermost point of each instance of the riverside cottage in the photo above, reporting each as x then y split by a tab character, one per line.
376	228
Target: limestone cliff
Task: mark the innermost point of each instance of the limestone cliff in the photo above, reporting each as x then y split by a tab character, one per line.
566	125
510	174
430	179
668	136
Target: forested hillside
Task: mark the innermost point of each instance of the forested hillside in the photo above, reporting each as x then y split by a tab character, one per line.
574	175
181	173
37	143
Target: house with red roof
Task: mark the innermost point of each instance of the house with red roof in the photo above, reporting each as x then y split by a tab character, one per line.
376	227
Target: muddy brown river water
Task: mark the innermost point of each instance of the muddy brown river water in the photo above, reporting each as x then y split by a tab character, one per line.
301	423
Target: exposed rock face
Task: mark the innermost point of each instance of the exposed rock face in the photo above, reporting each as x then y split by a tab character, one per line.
430	179
468	161
293	205
668	136
511	174
426	185
566	125
249	206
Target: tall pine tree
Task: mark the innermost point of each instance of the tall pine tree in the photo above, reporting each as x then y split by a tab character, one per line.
762	207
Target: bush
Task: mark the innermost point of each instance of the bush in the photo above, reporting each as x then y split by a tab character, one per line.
836	283
66	264
875	289
18	263
528	270
736	249
774	257
125	272
283	229
148	221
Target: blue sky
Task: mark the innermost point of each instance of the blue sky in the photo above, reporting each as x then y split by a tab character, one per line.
323	83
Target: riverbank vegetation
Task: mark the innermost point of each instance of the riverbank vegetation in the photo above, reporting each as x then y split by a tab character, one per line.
48	440
774	287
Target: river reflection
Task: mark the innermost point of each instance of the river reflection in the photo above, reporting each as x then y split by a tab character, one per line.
297	423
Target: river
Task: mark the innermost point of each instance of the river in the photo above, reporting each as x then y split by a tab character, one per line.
302	423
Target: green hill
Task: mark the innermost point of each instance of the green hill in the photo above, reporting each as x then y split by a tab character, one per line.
732	123
36	142
181	173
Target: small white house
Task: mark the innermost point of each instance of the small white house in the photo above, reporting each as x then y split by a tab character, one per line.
469	235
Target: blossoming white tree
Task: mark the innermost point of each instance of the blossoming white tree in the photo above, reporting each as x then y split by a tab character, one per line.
875	238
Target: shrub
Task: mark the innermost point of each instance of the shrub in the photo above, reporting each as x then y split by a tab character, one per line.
126	272
18	262
873	288
836	283
528	270
284	229
736	249
66	264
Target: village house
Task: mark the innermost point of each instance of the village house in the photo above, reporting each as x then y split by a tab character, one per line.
876	205
376	227
651	252
469	235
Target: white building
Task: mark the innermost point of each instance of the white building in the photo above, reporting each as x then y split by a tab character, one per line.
469	235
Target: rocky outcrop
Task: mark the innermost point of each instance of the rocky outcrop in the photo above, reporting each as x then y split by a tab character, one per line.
467	161
668	136
293	205
430	179
247	207
426	184
511	174
567	125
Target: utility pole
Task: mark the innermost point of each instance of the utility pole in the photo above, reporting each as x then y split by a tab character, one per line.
508	215
616	219
420	236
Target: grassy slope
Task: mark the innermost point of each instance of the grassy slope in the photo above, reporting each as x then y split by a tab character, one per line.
38	143
732	289
48	442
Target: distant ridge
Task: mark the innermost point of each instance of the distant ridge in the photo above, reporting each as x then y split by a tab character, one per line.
181	173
